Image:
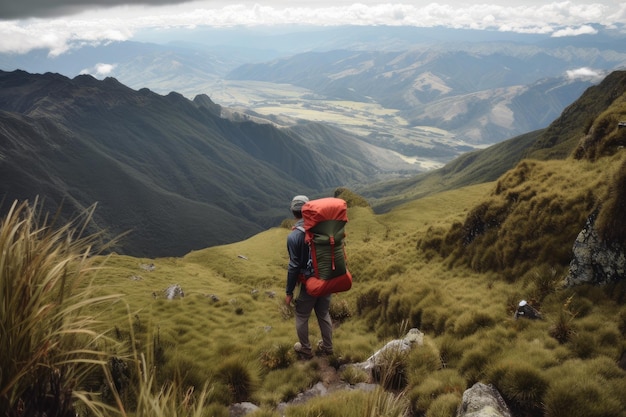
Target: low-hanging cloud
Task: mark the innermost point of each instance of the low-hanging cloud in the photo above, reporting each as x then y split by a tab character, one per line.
582	30
58	36
99	70
585	73
117	24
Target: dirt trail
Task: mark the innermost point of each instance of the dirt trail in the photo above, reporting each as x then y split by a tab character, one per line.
328	374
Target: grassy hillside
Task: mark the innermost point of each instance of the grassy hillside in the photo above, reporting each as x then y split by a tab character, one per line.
466	312
565	133
454	264
231	334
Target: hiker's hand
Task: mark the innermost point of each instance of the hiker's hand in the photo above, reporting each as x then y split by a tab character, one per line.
288	299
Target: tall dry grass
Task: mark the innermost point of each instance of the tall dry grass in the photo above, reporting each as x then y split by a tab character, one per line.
47	339
150	399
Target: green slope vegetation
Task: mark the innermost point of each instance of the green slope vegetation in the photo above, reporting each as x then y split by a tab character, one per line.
231	319
454	264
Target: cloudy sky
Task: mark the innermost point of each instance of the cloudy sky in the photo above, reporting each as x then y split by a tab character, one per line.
58	25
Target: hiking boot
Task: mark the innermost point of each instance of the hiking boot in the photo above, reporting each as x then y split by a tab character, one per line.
304	354
323	350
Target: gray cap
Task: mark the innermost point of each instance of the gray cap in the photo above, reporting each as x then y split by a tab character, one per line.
298	201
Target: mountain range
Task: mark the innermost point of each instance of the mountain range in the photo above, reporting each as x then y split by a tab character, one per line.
557	141
167	168
182	169
430	94
179	177
479	96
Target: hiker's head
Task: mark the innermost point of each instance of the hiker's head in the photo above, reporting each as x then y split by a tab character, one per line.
296	205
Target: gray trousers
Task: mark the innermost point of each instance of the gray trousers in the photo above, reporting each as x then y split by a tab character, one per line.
305	304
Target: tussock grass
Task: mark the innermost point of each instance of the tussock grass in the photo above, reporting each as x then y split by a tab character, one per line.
390	370
378	403
610	227
441	384
563	326
134	389
585	388
277	357
444	405
521	384
423	361
282	385
353	375
48	338
239	378
531	217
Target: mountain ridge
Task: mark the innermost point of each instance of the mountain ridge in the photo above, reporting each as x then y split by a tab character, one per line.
183	178
90	140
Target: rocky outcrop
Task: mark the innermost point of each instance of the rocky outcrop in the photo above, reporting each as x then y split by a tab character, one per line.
413	337
595	261
174	291
482	400
242	409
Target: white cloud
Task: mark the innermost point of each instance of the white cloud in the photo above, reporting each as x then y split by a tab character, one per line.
584	73
569	31
99	70
58	35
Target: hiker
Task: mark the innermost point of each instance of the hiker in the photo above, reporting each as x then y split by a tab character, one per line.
305	303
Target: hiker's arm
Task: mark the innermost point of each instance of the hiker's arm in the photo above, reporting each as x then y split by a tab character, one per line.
292	280
294	242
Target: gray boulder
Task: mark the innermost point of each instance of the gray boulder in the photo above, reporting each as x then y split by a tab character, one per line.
174	291
413	337
482	400
318	390
595	261
241	409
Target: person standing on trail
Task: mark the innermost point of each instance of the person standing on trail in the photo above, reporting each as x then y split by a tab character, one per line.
299	256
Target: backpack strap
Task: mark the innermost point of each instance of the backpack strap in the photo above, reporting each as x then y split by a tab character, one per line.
310	266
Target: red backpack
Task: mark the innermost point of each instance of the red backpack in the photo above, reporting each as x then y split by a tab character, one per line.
324	224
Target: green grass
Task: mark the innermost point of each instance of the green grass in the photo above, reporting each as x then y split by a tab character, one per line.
230	337
378	403
531	217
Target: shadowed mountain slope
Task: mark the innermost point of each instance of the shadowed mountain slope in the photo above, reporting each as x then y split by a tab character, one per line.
164	167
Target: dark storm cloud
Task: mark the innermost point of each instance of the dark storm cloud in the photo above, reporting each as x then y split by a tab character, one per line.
22	9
